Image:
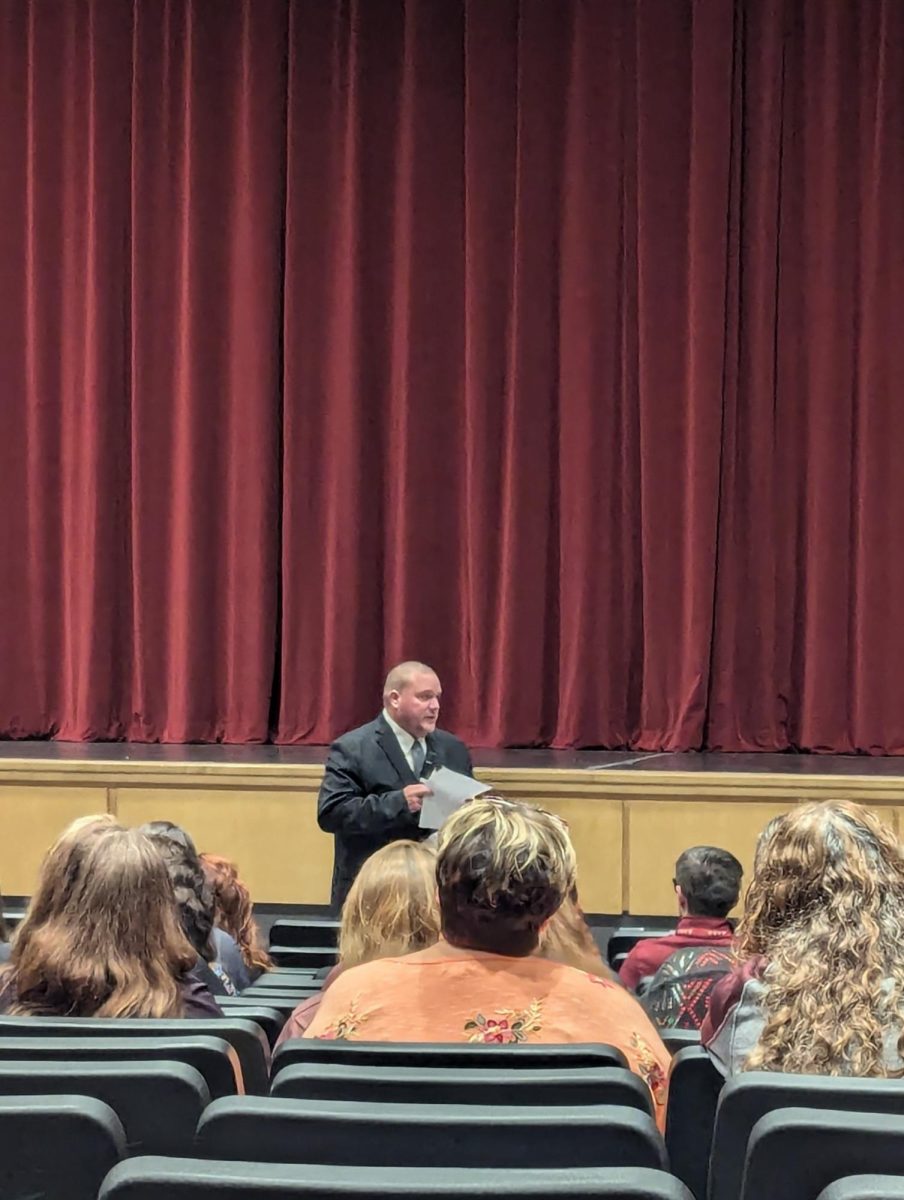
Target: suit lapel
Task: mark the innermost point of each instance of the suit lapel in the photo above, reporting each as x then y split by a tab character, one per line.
389	744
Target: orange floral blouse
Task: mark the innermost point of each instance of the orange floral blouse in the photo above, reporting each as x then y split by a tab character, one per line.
495	1000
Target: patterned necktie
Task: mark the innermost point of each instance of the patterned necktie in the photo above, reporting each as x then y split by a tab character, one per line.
418	754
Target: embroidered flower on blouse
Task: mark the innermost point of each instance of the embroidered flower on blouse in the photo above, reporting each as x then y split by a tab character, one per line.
345	1027
649	1069
506	1026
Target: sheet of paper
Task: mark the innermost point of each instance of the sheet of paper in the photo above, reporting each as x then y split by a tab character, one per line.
450	789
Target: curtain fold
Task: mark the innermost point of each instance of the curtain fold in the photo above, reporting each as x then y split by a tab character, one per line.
554	344
807	648
208	134
64	378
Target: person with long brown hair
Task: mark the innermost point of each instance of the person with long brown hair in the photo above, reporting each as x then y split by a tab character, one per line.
234	915
821	987
568	939
391	909
101	937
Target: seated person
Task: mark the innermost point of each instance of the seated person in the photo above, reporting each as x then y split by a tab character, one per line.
233	916
707	884
568	939
502	871
218	956
101	937
820	990
679	994
391	909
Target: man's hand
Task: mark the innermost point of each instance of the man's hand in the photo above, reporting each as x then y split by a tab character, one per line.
414	795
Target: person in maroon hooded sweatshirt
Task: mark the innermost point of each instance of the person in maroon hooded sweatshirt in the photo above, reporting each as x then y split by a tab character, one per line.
707	883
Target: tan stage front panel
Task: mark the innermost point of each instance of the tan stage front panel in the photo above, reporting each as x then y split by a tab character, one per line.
628	827
658	830
273	836
32	819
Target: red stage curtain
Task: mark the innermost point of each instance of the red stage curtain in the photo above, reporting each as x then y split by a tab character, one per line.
557	344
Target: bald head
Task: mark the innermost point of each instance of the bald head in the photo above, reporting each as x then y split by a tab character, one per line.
403	674
411	696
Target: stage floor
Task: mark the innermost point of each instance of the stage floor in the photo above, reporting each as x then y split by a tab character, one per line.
487	760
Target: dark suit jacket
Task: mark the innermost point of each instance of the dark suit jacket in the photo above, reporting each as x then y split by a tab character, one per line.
361	800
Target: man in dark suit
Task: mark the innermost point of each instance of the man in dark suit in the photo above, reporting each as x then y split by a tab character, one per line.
371	792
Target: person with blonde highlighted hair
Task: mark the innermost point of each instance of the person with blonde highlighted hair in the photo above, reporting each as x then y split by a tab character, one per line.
820	987
101	937
502	872
391	909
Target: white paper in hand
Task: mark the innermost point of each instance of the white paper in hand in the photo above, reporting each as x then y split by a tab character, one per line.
449	790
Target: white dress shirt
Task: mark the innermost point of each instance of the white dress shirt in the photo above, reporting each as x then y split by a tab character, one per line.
404	738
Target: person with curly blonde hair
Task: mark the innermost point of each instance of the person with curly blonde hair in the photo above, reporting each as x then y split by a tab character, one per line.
391	909
503	870
821	987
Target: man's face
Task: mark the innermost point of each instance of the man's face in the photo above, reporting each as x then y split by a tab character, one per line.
416	705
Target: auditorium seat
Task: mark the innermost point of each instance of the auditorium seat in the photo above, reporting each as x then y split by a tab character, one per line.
694	1086
57	1147
270	1020
623	939
679	1039
308	957
246	1037
463	1085
212	1057
268	1129
865	1187
264	993
444	1054
178	1179
280	1002
795	1153
13	917
747	1098
158	1103
304	931
289	977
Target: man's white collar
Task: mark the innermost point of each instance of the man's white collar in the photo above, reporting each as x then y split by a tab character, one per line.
406	741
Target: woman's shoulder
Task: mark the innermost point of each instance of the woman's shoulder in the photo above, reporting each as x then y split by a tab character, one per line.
197	999
364	975
585	982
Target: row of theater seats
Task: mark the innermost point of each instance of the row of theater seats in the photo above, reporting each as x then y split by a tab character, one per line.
392	1120
196	1108
311	942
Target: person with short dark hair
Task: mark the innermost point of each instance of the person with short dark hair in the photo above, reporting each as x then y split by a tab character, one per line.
707	885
